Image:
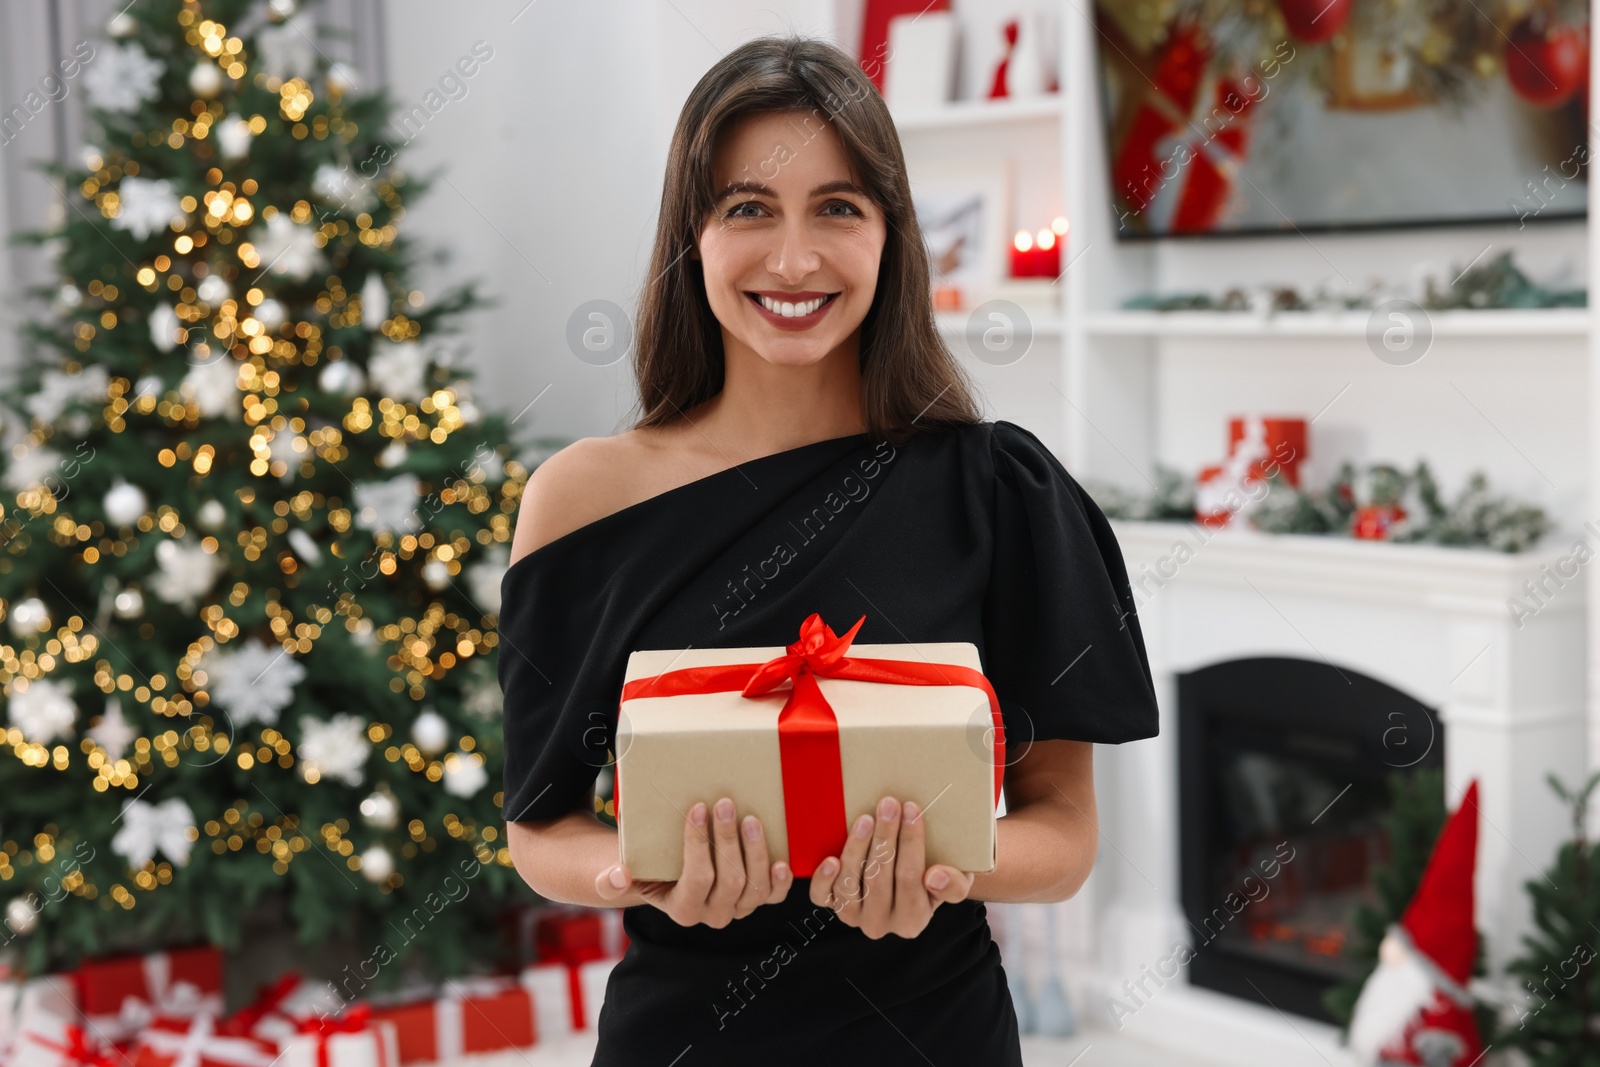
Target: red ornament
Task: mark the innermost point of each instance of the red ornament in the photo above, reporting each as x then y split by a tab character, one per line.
1315	21
1546	63
1371	523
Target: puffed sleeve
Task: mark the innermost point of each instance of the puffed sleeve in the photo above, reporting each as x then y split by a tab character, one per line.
1063	647
556	733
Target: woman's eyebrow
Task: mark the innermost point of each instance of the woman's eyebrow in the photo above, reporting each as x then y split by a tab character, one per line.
748	186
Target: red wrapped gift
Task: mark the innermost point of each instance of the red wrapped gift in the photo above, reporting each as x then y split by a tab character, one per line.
121	995
561	931
479	1014
195	1042
567	994
70	1045
1278	444
1177	158
354	1038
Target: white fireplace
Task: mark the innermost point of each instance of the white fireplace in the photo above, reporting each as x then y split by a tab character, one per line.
1440	625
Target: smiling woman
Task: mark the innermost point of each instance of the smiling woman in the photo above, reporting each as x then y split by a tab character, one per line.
800	410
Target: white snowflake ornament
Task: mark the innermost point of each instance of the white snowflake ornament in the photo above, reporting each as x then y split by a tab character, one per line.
33	468
185	572
400	369
252	682
122	77
213	385
58	390
430	732
146	206
286	50
288	248
113	732
43	711
334	748
387	506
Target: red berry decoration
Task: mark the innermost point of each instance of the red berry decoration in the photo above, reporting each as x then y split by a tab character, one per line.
1546	63
1315	21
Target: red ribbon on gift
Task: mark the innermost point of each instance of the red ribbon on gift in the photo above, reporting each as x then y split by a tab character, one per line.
808	731
77	1049
353	1021
269	1001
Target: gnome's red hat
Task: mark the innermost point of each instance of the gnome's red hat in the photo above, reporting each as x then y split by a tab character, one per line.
1439	919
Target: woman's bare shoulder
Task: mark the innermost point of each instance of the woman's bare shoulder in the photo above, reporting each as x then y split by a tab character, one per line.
586	481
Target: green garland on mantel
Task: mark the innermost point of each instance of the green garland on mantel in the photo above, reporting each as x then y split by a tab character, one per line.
1477	518
1495	284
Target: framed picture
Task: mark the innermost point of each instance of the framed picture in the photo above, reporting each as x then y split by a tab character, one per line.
965	217
1383	116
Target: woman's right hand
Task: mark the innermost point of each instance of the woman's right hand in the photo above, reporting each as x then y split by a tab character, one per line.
724	877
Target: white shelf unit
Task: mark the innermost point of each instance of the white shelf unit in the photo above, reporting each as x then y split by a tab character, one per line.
1114	391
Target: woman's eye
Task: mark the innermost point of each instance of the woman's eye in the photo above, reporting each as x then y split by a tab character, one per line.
733	212
845	204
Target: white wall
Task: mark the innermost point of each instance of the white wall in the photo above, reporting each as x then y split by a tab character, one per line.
554	162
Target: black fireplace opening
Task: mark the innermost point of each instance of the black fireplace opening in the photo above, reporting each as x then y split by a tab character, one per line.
1283	782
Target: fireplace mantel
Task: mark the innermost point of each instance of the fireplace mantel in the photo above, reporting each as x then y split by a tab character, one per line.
1440	624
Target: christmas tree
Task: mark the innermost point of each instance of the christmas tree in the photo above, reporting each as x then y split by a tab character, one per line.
254	526
1558	1004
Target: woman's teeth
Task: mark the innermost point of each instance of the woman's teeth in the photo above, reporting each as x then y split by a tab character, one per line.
793	311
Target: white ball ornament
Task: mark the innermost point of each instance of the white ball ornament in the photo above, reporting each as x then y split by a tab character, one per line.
125	503
430	733
341	78
234	136
21	916
376	864
164	327
436	573
122	24
68	297
281	9
129	603
381	810
206	79
342	377
374	302
212	515
213	289
271	314
30	616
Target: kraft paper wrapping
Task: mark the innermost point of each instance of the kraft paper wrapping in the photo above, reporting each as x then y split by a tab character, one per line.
932	744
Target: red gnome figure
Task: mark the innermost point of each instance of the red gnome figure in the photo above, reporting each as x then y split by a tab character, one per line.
1415	1009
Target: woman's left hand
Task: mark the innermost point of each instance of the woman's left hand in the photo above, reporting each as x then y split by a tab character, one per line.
890	891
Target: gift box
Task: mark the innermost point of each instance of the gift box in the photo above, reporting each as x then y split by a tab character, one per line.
567	994
121	995
562	931
472	1015
195	1042
26	999
50	1031
354	1038
918	722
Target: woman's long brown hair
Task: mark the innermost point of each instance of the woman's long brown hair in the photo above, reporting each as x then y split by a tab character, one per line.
910	379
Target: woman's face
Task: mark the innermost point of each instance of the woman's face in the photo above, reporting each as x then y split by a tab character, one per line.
790	226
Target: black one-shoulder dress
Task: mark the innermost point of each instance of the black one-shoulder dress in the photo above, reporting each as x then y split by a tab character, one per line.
974	533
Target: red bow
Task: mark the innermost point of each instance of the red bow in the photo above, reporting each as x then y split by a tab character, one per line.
355	1020
78	1049
808	731
243	1022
